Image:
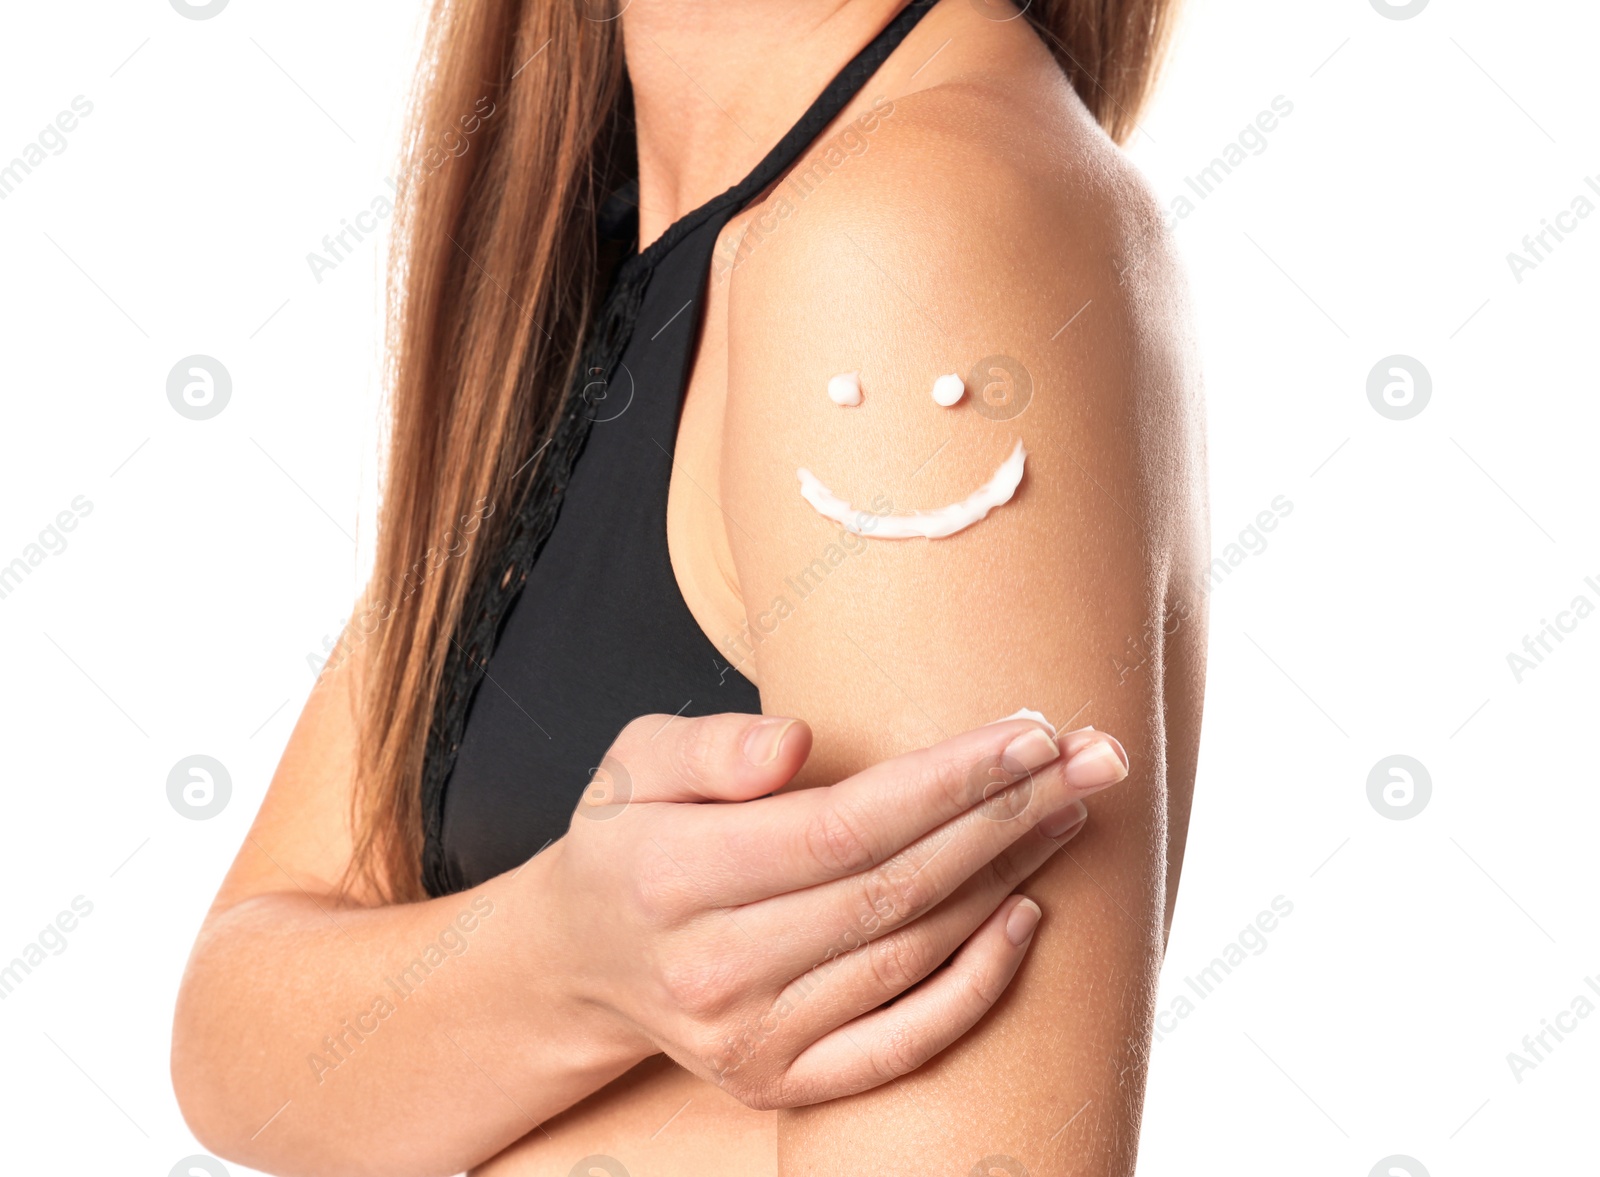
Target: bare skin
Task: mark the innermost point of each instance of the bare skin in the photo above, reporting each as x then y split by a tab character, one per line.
659	925
986	211
990	205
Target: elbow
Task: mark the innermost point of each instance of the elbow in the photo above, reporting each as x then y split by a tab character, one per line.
235	1098
218	1102
204	1098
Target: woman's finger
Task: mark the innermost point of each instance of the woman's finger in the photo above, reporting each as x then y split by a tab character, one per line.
729	757
799	839
866	974
799	929
888	1043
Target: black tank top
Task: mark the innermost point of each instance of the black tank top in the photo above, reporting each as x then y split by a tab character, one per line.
598	632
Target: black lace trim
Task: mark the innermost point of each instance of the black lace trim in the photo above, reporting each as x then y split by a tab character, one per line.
497	587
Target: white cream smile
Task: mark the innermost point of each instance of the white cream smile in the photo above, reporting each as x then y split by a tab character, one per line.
933	524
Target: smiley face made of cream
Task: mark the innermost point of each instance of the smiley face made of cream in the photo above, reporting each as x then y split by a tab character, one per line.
935	523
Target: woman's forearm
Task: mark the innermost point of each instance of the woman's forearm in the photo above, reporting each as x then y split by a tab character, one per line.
322	1037
421	1038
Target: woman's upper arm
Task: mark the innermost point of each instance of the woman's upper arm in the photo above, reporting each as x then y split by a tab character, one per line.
300	841
1076	599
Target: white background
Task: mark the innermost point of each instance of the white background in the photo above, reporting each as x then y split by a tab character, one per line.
218	555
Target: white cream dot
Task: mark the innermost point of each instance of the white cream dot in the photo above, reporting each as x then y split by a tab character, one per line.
1030	713
947	390
845	389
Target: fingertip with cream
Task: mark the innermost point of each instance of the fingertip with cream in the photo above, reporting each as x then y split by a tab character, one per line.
1096	763
1033	749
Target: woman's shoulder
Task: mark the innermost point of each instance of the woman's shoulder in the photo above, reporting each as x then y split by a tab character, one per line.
991	232
959	182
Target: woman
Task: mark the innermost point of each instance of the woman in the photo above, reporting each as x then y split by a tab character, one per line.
673	263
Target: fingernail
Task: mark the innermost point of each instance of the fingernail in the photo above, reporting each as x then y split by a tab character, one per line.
1033	749
1074	742
1101	763
1024	918
1059	824
762	741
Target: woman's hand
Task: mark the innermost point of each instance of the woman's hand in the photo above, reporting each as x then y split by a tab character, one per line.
759	943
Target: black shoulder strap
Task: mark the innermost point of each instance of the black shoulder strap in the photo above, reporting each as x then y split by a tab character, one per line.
845	86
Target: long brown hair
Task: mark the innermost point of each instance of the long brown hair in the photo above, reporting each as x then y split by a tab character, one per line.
514	123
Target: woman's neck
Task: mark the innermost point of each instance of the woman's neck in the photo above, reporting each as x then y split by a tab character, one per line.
716	85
